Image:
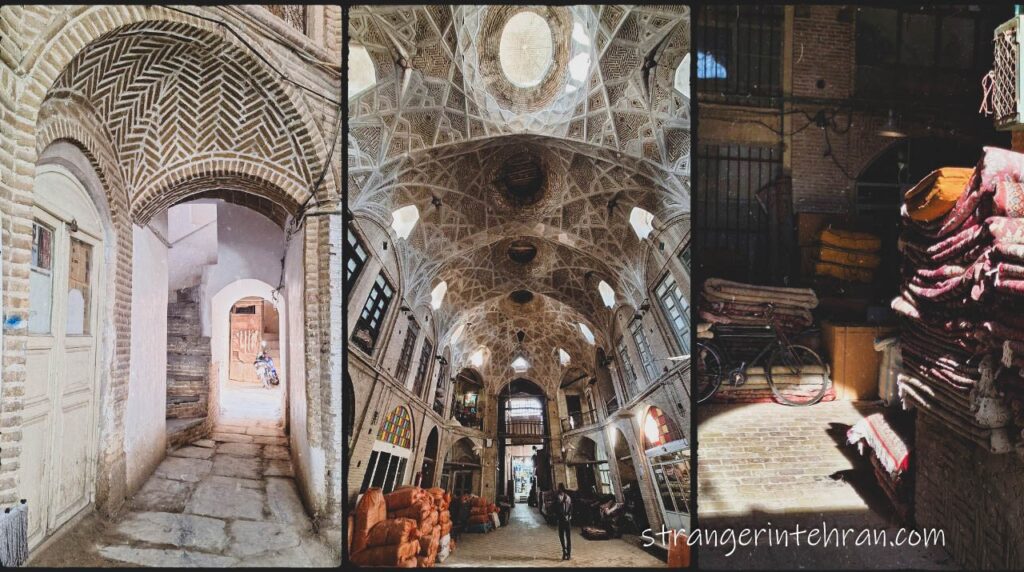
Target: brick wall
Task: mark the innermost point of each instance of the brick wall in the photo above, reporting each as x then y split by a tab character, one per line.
144	170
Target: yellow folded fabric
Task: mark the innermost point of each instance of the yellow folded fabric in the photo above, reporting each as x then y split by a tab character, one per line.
844	273
859	259
936	194
850	240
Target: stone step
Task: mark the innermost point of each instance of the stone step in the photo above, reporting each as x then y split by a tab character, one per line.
178	399
182	309
183	345
190	294
183	327
195	365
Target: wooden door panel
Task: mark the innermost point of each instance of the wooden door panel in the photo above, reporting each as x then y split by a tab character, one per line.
35	447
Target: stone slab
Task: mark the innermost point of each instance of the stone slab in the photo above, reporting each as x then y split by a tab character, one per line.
184	469
236	482
192	452
224	500
164	558
239	449
241	467
159	494
179	530
231	438
207	443
276	452
278	468
284	503
263	440
249	538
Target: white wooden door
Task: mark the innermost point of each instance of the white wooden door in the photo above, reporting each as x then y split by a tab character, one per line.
60	429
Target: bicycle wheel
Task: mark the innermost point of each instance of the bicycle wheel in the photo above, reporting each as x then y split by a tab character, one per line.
709	371
797	375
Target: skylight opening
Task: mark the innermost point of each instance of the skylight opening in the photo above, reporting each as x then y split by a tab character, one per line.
563	357
477	359
458	332
526	49
587	334
437	294
682	79
642	222
607	294
520	364
361	72
404	219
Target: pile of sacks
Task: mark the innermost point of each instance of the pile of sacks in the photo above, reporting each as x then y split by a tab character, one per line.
409	528
739	304
483	514
962	299
847	256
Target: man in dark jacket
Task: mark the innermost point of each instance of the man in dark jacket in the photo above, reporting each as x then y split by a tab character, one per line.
563	514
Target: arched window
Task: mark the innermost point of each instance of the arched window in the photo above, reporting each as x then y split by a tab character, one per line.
361	73
659	429
397	428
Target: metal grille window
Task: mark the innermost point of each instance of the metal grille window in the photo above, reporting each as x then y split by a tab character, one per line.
356	260
742	213
739	53
686	258
370	319
405	359
385	471
421	370
442	389
644	348
626	369
676	310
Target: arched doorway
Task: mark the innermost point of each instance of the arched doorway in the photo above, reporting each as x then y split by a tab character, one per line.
668	455
254	332
523	437
461	472
392	450
582	460
628	480
66	279
429	460
467	399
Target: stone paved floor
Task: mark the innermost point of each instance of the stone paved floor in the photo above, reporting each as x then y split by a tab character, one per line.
241	403
529	541
229	500
767	464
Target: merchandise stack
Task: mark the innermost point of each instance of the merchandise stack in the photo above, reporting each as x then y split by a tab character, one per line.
408	528
962	297
847	256
483	515
886	439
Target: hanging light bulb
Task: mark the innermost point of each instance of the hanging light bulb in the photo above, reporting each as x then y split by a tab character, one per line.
891	127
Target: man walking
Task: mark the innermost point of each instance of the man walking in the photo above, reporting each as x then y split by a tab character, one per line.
563	512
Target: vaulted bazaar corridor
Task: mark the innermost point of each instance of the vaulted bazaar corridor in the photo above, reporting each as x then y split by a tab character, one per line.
517	264
172	199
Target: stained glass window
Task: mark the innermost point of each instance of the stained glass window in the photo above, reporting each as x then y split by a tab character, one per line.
659	429
397	428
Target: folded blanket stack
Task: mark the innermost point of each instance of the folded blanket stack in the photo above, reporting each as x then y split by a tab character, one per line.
735	303
847	256
887	438
962	297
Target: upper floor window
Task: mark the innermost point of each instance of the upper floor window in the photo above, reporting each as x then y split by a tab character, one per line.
370	319
356	260
628	373
646	357
405	358
739	52
686	259
676	310
426	354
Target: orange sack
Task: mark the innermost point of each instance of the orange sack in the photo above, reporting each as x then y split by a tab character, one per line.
430	543
679	552
403	498
387	555
417	511
370	510
479	519
393	531
444	516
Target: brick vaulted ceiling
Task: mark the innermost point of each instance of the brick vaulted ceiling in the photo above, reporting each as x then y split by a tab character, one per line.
559	165
169	100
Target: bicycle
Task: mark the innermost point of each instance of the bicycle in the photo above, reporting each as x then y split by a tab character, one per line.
795	373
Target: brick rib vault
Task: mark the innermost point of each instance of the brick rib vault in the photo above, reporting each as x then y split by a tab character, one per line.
490	167
167	106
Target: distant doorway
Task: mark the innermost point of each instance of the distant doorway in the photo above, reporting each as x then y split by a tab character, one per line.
254	326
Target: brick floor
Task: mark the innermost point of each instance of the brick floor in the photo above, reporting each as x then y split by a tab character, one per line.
529	541
767	464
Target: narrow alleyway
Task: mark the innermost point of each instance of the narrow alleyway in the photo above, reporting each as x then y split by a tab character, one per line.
229	500
528	540
769	465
